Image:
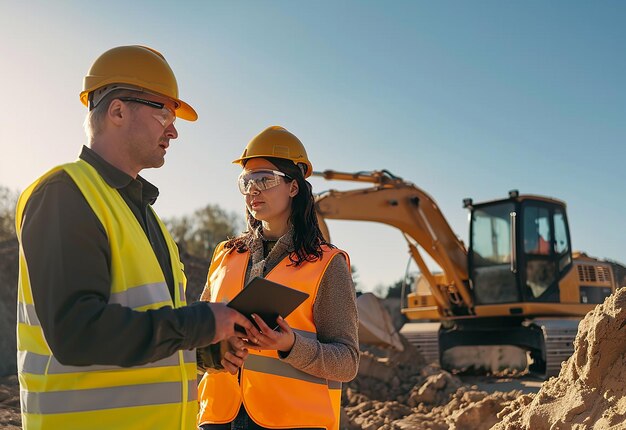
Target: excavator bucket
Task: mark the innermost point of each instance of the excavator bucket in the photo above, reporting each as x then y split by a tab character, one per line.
375	324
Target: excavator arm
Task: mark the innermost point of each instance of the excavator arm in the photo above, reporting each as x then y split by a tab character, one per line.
391	200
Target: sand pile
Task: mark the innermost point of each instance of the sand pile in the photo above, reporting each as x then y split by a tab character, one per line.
590	391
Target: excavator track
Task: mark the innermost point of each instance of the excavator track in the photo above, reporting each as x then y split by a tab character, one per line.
559	335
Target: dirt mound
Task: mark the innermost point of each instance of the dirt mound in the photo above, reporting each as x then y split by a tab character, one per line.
590	391
431	399
397	390
10	403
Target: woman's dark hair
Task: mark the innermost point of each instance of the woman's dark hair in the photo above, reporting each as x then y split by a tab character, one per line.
307	237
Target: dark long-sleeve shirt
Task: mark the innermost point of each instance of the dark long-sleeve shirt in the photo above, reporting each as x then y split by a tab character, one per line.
69	261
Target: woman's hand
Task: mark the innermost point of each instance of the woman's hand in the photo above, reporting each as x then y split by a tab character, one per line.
234	352
279	340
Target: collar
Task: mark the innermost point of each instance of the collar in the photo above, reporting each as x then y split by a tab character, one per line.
283	247
115	178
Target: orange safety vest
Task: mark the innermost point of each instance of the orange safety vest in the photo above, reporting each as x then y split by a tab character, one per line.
275	394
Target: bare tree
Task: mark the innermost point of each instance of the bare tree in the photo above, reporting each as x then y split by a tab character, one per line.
8	200
199	234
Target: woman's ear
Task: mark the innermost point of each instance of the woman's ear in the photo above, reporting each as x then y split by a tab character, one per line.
294	188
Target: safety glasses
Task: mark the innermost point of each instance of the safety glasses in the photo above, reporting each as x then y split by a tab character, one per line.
261	180
165	116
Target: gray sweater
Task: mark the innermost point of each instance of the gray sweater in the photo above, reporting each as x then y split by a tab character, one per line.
334	355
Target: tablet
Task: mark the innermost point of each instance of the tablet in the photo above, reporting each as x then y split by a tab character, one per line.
268	300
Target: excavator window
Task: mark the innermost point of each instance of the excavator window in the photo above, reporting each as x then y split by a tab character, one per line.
490	255
545	241
561	241
537	235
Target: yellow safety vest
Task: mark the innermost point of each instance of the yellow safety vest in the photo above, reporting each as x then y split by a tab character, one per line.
159	395
275	394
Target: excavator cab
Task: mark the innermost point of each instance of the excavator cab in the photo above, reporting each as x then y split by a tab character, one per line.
527	297
519	250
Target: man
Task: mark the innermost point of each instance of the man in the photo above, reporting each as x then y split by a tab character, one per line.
104	337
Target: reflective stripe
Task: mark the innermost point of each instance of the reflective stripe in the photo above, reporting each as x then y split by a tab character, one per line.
273	366
192	390
181	292
26	314
29	362
59	402
36	364
137	297
143	295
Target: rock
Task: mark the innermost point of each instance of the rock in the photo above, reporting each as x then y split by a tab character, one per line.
435	390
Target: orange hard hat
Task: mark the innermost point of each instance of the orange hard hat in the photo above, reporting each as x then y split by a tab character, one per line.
277	142
134	67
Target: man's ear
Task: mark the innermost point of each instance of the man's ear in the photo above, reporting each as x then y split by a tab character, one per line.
294	188
117	111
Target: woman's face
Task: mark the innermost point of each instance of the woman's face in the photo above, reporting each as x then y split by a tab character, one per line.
271	205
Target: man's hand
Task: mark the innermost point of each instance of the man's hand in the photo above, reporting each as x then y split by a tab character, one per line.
233	354
225	320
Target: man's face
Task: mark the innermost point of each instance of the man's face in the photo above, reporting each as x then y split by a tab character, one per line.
150	130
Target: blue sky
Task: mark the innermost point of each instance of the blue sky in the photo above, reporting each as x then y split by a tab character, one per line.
465	99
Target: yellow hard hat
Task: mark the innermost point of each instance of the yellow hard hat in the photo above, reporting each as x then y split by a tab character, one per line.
137	67
277	142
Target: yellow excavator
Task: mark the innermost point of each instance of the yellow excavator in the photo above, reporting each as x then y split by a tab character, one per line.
513	297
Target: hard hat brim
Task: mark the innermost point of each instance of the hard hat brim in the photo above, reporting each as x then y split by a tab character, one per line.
186	112
241	161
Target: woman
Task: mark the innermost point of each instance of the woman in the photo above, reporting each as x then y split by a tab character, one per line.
288	377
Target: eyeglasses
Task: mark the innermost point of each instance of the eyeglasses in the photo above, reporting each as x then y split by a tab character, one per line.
260	179
166	116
